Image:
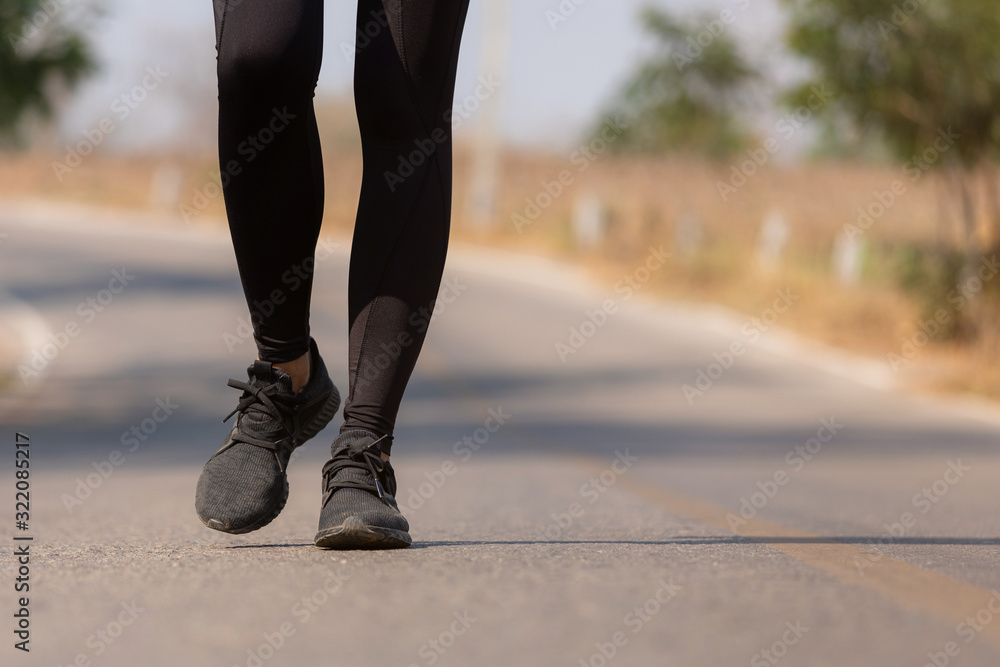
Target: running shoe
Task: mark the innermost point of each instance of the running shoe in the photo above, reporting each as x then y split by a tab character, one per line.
244	485
359	510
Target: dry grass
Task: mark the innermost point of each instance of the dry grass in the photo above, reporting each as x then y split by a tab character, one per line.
646	200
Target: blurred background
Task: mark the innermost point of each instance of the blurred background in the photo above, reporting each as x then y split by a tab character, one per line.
837	156
846	150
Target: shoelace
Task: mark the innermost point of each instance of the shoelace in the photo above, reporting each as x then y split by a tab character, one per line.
256	399
371	462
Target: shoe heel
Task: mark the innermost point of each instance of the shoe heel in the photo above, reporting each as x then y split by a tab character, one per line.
320	421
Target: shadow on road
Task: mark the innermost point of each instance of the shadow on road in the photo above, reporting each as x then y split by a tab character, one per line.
722	539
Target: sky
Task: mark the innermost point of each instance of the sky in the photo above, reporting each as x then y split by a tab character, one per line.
558	77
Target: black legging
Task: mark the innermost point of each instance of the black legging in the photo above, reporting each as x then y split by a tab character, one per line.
269	54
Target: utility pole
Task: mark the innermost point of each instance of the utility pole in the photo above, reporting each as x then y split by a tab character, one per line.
481	202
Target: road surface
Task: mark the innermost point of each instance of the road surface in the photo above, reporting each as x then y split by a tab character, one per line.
570	502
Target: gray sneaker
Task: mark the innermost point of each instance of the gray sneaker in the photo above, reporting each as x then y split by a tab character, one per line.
244	485
359	510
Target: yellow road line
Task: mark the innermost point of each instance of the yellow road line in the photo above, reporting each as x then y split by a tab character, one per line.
912	587
908	585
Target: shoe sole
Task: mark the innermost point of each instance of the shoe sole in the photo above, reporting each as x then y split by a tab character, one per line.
215	524
356	534
318	423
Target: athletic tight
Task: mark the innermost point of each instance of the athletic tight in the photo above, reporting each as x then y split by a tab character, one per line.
269	54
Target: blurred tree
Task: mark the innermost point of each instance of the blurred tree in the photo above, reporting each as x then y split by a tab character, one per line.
39	47
924	75
690	95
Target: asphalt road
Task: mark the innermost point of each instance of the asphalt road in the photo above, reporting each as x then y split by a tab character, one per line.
797	510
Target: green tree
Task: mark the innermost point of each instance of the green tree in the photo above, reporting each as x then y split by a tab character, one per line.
912	72
691	94
39	47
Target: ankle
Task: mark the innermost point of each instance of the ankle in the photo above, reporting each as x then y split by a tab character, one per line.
299	370
357	432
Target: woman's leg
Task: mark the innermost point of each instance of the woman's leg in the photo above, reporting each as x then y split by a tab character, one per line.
269	54
404	80
268	61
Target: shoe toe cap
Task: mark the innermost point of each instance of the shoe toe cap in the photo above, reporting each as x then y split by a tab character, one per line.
239	489
361	505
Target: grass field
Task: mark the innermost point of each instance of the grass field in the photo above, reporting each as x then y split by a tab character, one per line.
906	268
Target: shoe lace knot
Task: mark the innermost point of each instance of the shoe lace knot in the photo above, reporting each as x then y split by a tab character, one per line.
257	408
365	457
